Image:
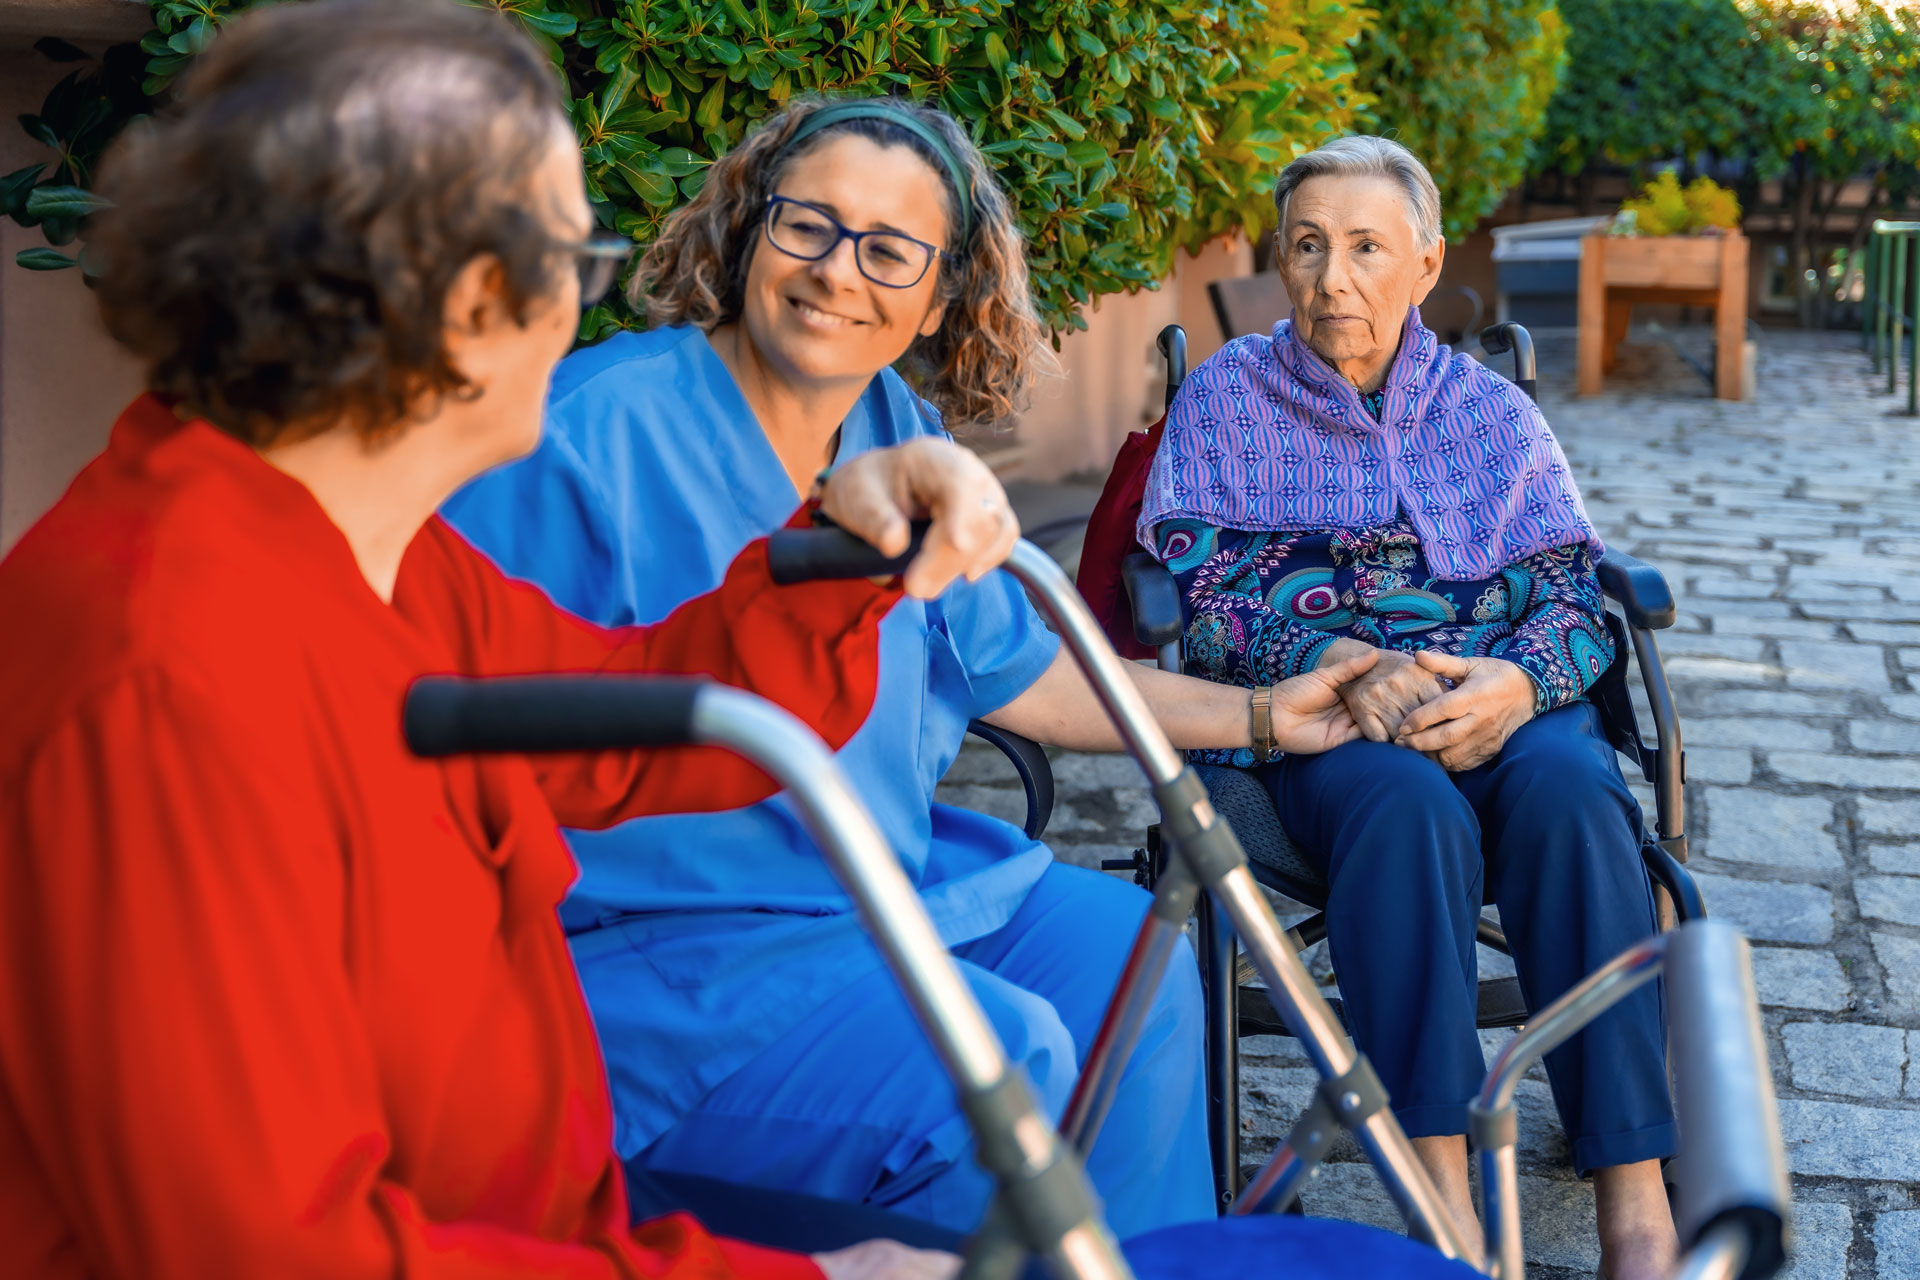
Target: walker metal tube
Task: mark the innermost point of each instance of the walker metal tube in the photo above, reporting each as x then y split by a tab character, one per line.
1722	1255
1043	1190
1306	1012
869	870
1113	1044
1140	733
1209	847
1491	1117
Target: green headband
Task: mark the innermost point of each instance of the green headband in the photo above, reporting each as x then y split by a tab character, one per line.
884	109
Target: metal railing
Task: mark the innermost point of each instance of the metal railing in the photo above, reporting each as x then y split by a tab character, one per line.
1892	290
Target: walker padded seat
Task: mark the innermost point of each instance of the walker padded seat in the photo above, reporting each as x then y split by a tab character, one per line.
1285	1245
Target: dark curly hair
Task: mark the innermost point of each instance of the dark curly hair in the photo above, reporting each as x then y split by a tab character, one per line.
977	368
281	241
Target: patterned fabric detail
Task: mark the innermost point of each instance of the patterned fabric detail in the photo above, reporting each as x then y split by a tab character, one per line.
1265	436
1262	607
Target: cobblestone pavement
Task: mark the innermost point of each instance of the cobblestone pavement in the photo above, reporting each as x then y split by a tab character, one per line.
1790	531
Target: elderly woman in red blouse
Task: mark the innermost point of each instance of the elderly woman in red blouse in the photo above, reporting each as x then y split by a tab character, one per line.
276	998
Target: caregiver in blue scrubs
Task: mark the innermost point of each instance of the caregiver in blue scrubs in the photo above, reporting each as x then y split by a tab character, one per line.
749	1028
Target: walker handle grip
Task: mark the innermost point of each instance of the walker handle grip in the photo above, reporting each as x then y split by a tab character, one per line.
828	552
1732	1170
455	715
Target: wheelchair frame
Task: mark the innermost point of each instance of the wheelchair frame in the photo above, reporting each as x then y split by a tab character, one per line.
1734	1185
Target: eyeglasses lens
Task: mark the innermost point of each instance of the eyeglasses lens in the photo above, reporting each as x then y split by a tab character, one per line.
894	261
596	277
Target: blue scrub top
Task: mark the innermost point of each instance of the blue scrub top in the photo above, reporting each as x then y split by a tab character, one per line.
704	938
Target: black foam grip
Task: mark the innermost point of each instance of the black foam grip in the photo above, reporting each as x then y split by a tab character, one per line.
1639	587
451	715
1155	600
811	555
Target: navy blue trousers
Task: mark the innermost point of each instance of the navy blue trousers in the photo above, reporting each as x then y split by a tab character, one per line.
1547	831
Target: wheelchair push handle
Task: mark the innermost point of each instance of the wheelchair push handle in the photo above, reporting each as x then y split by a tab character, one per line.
454	715
1498	339
828	552
1173	348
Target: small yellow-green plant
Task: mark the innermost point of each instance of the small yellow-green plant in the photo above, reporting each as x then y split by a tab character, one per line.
1665	208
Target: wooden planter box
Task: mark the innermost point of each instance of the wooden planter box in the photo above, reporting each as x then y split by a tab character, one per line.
1699	271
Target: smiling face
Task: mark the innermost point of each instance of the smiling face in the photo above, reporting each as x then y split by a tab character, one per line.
819	323
1352	265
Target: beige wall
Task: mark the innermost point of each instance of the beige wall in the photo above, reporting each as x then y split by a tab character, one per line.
1112	379
62	380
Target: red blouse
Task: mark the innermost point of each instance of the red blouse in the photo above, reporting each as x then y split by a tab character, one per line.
277	998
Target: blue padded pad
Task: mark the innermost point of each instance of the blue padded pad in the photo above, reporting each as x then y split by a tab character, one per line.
1285	1246
1248	808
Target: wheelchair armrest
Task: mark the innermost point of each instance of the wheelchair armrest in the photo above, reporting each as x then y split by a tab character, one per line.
1155	598
1642	592
1035	770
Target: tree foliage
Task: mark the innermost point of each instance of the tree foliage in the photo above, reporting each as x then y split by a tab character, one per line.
1122	130
1465	84
1814	94
1652	79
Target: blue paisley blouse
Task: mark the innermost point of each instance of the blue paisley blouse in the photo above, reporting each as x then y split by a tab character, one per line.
1262	607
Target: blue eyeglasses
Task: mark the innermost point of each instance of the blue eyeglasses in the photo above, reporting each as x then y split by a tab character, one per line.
810	233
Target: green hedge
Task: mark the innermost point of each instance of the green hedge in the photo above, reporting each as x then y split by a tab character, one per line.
1122	130
1465	84
1653	79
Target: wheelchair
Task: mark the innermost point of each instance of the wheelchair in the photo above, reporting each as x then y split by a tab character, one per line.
1734	1198
1236	1007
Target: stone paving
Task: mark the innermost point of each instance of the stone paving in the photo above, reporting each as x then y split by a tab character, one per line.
1790	530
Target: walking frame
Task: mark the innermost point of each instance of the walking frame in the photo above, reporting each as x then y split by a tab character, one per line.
1733	1183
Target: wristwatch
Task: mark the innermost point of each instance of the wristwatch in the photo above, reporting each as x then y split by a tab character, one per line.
1263	724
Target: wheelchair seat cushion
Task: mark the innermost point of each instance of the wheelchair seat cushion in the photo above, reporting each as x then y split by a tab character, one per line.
1285	1245
1247	806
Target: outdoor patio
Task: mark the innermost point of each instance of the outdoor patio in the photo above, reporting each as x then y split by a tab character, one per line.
1790	529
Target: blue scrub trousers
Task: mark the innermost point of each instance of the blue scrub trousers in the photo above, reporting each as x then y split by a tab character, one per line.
854	1106
1548	831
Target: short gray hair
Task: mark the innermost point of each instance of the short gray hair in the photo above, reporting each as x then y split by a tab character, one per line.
1363	155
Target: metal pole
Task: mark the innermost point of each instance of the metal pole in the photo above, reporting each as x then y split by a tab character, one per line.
1866	294
1913	346
1721	1256
1491	1118
1882	267
1898	320
1295	996
965	1041
1093	1093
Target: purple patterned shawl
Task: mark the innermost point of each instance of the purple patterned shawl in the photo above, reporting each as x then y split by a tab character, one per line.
1264	435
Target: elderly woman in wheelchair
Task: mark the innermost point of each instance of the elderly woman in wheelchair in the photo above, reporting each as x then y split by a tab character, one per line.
1347	487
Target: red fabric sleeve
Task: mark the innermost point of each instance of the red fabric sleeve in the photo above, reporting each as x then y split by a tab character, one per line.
813	648
187	1080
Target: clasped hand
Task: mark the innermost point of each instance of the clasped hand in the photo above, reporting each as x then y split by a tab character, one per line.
876	494
1459	712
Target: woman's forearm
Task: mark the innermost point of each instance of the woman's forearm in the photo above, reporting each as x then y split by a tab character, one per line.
1061	709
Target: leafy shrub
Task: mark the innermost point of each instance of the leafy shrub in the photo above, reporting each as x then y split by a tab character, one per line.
1651	79
1465	84
1664	208
1122	130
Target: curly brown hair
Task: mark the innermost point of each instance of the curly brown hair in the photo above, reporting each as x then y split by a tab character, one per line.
281	242
977	368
